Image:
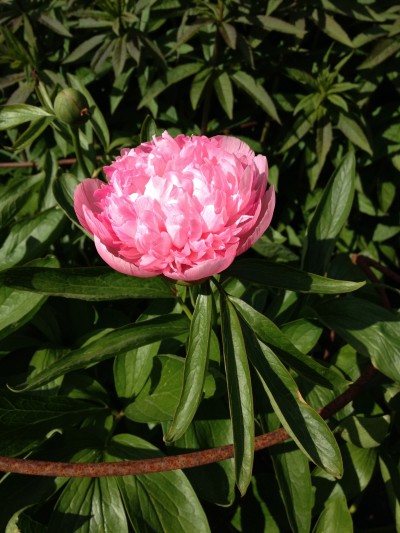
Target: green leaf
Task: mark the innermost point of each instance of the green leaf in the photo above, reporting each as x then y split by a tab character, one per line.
332	28
199	84
292	471
286	277
353	131
84	48
239	393
148	129
365	431
155	503
132	369
97	119
13	115
301	126
372	330
223	88
269	333
330	216
15	194
17	307
87	505
276	24
54	25
303	333
31	237
91	283
24	410
388	462
335	516
323	142
117	341
210	429
31	133
63	189
195	365
229	34
301	421
158	399
172	76
384	49
119	55
249	85
383	233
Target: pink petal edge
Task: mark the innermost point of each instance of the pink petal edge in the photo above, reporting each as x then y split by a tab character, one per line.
119	264
204	270
84	196
264	220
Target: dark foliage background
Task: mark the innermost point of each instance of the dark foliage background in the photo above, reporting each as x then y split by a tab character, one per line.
315	87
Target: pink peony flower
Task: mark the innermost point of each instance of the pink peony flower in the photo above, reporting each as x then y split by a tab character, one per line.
183	207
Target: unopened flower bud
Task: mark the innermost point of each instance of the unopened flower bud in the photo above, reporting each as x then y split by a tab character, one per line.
71	107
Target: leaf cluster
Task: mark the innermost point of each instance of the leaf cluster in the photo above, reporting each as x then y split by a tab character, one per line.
99	367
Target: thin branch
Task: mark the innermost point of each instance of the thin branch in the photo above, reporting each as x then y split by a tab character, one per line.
174	462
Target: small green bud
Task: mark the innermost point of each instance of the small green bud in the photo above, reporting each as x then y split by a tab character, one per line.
71	107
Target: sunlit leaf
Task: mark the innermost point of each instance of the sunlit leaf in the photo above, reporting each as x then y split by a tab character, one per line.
195	365
239	393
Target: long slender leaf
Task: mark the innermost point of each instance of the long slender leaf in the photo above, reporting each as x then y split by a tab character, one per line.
13	115
118	341
330	216
171	77
249	85
292	470
195	365
31	237
372	330
239	392
286	277
269	333
301	421
92	283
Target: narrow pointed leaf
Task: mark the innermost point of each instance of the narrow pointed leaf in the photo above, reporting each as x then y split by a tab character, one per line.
172	76
91	283
239	392
223	88
31	133
353	131
160	502
301	421
15	195
335	516
287	277
158	399
372	330
63	189
13	115
117	341
31	237
292	471
249	85
269	333
330	216
195	365
87	505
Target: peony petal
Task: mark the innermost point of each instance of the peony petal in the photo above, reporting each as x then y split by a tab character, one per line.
234	146
84	197
119	264
205	269
264	219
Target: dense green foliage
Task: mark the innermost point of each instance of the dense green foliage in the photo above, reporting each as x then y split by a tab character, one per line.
97	366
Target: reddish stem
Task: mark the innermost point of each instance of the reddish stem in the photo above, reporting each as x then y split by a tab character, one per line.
173	462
